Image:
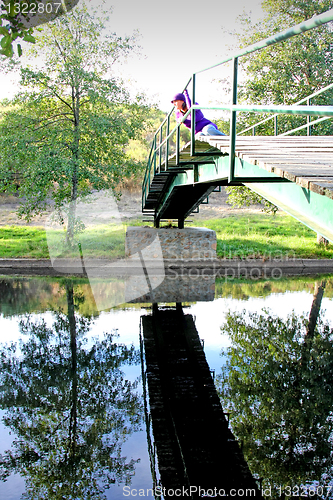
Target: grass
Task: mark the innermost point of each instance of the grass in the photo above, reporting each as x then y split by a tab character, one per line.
264	236
251	236
33	242
23	242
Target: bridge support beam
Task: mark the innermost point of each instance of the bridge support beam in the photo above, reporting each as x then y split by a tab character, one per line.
312	209
181	223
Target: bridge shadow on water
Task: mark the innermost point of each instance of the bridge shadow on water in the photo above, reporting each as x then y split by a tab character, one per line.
196	450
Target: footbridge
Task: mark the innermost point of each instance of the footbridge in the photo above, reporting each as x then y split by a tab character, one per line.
294	172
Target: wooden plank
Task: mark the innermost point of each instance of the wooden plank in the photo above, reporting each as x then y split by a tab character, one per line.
317	185
309	159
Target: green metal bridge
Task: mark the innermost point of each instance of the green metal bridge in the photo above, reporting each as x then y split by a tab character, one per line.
293	172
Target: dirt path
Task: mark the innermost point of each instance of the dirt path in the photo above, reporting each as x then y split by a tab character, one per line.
129	208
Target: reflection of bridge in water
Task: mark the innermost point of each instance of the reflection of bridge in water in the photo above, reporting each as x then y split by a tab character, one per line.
195	447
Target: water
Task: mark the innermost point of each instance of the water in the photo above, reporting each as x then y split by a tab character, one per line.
72	405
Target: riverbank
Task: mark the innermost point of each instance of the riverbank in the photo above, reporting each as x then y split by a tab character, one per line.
220	268
242	234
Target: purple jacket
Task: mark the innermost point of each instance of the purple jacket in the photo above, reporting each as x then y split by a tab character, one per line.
200	120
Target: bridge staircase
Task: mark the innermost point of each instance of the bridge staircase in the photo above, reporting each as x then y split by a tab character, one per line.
179	203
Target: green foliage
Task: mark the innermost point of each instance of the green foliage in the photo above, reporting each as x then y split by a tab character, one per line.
277	387
252	236
28	295
289	71
19	17
22	295
67	135
138	149
12	29
240	196
105	241
244	289
29	242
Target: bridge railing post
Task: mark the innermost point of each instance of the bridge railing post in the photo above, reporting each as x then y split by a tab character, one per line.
167	143
154	160
233	122
160	150
308	119
177	145
193	117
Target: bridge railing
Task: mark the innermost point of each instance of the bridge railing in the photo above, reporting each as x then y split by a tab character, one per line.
161	149
308	126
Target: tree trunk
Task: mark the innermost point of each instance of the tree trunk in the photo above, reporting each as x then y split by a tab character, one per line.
74	179
315	308
74	392
313	318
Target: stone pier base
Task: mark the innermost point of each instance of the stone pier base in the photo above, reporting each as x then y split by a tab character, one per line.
188	244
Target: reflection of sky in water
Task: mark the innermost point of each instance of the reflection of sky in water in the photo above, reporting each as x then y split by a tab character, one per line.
209	316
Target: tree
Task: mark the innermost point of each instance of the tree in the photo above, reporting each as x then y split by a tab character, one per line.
291	70
69	406
285	72
276	384
19	17
67	134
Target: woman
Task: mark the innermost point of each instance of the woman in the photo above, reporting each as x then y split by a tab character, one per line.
182	104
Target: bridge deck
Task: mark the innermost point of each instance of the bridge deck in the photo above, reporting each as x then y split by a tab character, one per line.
307	161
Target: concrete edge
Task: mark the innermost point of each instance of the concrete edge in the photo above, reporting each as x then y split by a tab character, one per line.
105	268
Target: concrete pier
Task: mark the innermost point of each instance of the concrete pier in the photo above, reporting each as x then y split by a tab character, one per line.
188	244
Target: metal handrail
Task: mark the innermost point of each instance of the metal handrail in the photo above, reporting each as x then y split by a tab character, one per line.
308	98
312	23
292	109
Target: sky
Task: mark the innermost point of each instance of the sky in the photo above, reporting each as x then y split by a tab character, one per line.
177	40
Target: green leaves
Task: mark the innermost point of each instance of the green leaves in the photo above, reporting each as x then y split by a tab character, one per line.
29	38
288	71
69	133
12	28
20	17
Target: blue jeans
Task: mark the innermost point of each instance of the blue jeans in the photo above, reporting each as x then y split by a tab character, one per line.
210	130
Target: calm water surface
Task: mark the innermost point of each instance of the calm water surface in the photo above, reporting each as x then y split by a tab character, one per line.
72	397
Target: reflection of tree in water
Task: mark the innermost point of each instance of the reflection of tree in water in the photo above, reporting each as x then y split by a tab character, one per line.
69	406
18	295
277	385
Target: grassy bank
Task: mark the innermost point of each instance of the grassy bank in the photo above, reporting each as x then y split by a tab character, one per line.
264	236
256	236
34	243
